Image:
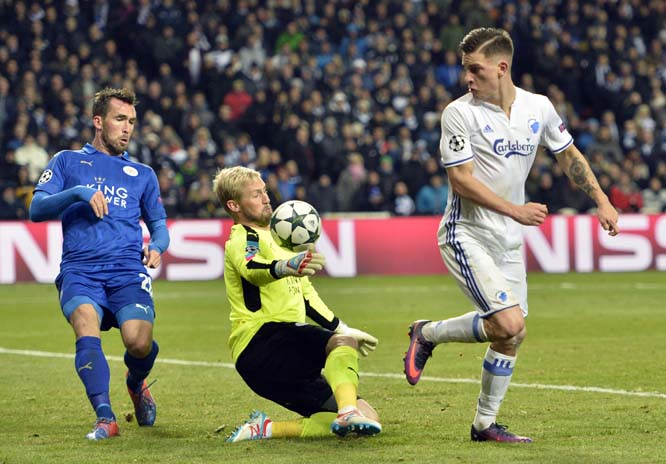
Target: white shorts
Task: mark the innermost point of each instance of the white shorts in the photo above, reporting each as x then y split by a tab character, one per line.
493	281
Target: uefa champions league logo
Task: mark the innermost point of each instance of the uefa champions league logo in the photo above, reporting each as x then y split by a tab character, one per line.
457	143
45	177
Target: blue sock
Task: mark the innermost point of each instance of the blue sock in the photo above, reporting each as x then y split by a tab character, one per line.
140	368
93	370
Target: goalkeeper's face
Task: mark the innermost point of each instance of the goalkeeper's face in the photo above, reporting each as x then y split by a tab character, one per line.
254	206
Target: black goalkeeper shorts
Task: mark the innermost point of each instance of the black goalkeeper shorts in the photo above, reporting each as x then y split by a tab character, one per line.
283	363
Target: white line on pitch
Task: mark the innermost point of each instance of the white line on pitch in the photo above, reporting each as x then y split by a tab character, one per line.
181	362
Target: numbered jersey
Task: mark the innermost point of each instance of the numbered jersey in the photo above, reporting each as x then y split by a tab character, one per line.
503	150
132	193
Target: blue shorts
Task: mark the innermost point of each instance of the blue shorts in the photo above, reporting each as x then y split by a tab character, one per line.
118	295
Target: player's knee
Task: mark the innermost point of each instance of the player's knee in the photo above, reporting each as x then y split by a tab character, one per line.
139	347
506	326
514	328
518	339
340	340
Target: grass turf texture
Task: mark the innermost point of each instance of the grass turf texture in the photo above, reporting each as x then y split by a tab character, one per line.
587	330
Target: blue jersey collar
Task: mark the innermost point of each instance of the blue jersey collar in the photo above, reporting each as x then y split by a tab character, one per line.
89	149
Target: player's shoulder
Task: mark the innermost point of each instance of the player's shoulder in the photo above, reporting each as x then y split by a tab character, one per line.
137	169
137	164
530	99
243	233
67	155
246	239
460	107
462	103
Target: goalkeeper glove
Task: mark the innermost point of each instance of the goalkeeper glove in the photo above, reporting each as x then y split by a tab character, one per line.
366	342
302	264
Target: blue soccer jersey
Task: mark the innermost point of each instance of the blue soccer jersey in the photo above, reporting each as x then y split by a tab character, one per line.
132	192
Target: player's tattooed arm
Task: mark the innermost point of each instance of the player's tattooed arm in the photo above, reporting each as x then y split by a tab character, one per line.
575	166
580	173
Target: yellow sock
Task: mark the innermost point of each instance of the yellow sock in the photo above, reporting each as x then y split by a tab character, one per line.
288	429
345	395
341	373
318	425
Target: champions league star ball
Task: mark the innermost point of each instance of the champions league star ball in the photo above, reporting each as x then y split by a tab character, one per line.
295	225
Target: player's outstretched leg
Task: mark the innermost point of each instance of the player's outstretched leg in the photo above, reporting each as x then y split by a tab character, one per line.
418	352
498	432
353	421
257	427
103	429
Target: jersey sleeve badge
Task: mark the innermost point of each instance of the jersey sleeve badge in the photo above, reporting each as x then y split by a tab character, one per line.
457	143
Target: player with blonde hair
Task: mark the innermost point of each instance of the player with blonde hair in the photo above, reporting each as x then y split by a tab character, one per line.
278	354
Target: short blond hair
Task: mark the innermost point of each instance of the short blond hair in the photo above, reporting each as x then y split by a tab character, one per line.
230	182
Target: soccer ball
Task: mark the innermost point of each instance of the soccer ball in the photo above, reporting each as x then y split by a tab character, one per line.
295	225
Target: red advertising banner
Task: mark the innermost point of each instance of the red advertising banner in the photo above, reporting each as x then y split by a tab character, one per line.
396	246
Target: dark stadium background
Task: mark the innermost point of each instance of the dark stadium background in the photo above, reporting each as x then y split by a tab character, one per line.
336	102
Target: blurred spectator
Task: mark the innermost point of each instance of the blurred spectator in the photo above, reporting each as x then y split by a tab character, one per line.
315	82
625	195
448	73
369	196
10	206
549	193
605	144
322	195
403	205
200	201
350	181
238	100
654	197
168	47
24	187
170	192
575	200
9	169
273	190
33	156
432	198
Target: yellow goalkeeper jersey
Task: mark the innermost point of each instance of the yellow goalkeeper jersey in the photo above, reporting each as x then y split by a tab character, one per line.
255	294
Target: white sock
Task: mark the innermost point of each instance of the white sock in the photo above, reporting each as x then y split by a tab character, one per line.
495	380
467	328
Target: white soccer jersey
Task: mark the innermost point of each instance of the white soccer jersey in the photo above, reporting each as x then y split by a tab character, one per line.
503	151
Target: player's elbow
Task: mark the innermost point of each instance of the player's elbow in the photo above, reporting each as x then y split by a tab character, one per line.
458	185
36	213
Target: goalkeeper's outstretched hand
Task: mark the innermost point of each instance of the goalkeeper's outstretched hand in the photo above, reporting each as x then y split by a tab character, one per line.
366	342
302	264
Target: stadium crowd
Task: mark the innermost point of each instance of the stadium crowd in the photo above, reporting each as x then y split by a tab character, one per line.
336	102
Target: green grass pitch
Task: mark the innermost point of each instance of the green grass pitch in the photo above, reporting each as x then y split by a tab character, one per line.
589	385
